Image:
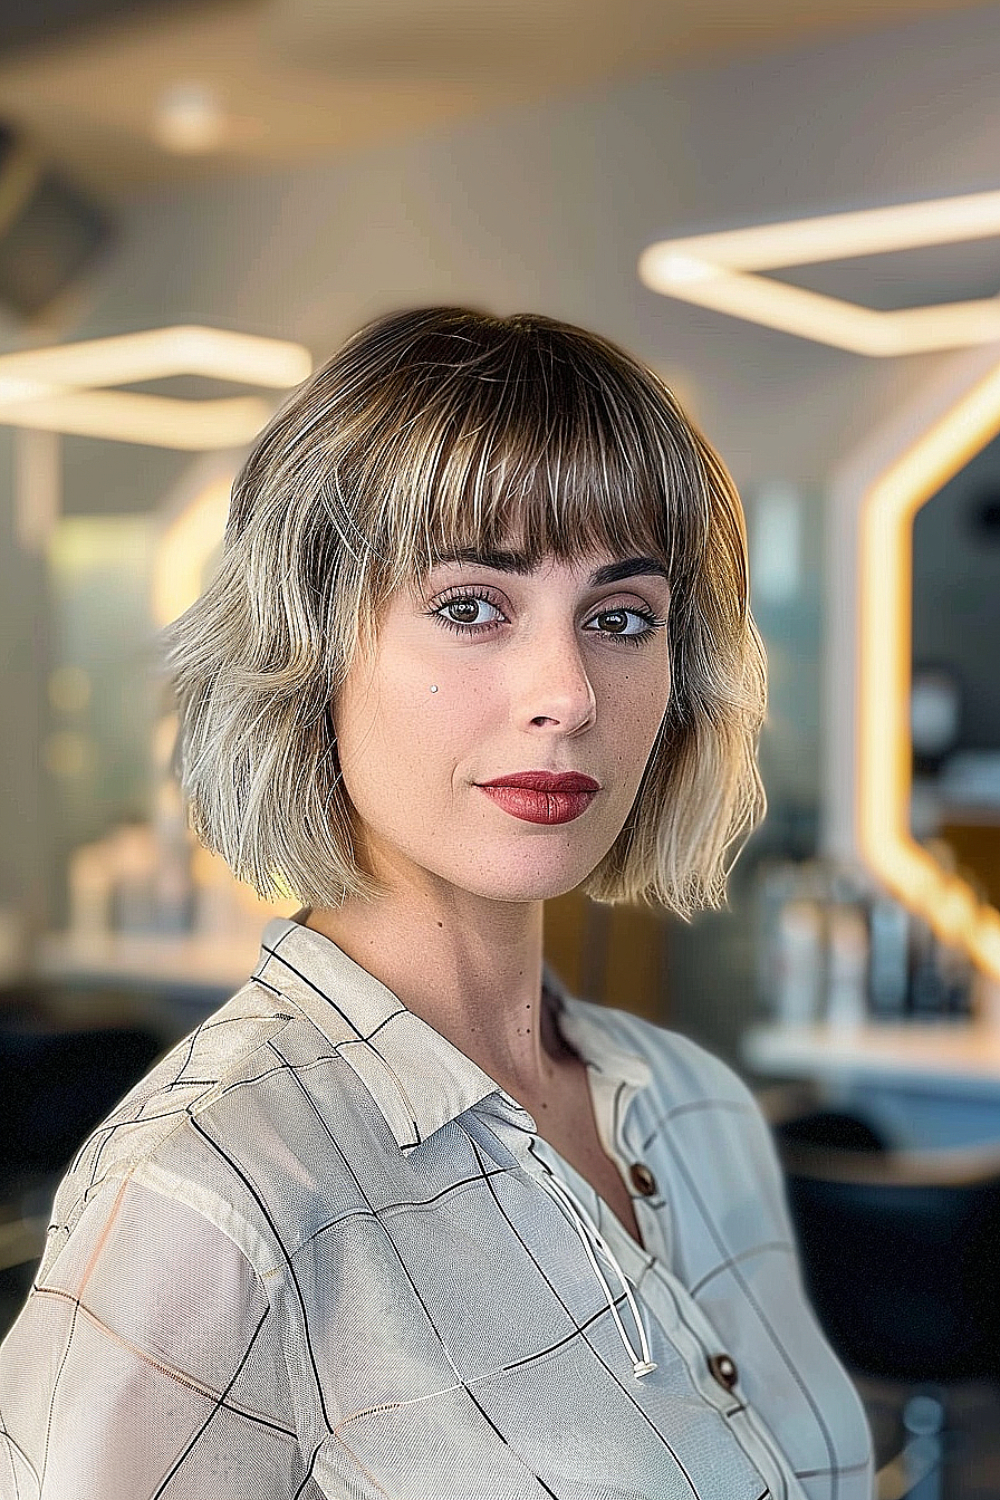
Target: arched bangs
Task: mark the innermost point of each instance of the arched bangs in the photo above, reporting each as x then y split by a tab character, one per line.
541	443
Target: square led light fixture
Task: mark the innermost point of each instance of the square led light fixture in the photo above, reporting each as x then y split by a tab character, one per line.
69	388
718	271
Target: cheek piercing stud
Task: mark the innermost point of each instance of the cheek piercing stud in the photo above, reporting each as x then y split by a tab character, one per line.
433	689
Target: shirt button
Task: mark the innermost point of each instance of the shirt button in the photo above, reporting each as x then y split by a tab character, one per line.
642	1179
723	1370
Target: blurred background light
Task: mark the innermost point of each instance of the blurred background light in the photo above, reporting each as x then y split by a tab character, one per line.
186	544
189	118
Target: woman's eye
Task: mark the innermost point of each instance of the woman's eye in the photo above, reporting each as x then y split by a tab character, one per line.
467	612
629	626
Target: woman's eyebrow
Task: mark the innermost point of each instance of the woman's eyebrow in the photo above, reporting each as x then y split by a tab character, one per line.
629	567
517	562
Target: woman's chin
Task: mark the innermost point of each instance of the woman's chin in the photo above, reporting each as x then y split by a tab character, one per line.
537	885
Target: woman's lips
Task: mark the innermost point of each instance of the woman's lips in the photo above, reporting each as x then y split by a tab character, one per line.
539	807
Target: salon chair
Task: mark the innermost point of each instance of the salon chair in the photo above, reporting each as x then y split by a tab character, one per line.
55	1086
901	1257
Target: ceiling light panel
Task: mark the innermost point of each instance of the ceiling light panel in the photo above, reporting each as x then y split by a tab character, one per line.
717	271
65	388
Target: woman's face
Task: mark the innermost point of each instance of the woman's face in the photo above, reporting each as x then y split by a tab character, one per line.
562	669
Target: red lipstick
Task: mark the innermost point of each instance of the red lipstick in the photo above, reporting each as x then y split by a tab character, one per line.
542	796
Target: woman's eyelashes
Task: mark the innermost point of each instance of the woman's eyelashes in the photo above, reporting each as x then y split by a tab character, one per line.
465	618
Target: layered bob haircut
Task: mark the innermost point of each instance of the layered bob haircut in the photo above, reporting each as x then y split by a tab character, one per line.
439	429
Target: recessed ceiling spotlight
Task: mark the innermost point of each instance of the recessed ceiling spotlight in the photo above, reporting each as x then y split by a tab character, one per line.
189	119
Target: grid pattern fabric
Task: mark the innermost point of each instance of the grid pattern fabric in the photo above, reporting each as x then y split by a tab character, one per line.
310	1255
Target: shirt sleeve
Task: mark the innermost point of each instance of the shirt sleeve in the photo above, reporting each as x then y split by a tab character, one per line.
146	1362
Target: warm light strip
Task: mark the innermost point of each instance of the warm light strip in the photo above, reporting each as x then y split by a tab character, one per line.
870	231
884	746
160	421
159	353
712	271
844	325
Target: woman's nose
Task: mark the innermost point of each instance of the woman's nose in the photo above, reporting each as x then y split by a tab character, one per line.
553	686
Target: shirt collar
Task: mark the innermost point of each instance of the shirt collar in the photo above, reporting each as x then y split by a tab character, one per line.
418	1079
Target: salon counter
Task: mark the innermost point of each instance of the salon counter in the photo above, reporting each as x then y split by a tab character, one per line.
164	982
923	1084
218	963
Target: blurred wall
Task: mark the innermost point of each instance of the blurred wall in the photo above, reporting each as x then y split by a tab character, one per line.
23	667
547	208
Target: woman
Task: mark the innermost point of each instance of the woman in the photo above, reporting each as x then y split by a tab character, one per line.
405	1218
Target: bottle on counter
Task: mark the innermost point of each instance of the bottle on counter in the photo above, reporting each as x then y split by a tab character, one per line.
799	962
846	966
888	965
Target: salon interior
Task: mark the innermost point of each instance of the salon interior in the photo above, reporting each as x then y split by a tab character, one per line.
793	215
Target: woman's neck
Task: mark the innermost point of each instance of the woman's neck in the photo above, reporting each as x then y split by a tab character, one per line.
474	977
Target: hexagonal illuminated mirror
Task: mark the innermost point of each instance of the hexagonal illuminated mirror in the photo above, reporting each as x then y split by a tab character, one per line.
927	775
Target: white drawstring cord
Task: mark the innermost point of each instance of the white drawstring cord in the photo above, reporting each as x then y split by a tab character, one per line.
581	1220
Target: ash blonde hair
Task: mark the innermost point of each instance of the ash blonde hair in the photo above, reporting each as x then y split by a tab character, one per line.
445	428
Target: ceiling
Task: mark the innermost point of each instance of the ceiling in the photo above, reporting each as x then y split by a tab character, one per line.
300	79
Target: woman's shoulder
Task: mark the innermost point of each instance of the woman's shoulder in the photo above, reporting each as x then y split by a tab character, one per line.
232	1121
